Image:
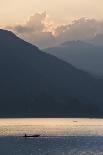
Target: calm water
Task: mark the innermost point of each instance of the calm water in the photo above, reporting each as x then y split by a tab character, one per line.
60	137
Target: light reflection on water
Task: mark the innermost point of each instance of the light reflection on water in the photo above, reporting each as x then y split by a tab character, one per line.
70	137
52	127
51	146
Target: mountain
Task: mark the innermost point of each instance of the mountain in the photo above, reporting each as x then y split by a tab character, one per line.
36	84
97	40
82	55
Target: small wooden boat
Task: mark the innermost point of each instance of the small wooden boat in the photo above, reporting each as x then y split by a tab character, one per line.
31	136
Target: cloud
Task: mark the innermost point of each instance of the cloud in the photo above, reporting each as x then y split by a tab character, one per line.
41	31
37	30
81	29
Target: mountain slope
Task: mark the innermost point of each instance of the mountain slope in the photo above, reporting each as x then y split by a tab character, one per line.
36	84
82	55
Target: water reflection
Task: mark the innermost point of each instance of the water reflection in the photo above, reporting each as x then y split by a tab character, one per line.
52	146
51	127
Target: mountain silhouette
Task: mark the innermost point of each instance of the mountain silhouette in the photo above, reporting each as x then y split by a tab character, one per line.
85	56
36	84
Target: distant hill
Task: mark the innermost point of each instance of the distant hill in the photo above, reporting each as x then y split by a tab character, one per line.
82	55
97	40
36	84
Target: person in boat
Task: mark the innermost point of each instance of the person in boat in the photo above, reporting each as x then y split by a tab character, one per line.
25	135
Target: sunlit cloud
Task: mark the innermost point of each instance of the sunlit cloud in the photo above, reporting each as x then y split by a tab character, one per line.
40	30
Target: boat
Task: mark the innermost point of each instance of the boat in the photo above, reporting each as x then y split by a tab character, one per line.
31	136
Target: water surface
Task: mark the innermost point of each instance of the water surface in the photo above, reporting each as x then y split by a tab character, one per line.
51	127
60	137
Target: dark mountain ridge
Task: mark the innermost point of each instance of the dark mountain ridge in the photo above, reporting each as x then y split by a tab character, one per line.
36	84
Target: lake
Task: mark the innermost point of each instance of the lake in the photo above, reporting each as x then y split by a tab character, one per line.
58	136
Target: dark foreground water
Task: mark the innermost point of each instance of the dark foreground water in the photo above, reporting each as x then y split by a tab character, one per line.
51	146
58	137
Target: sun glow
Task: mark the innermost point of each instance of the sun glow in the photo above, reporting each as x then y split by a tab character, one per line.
14	11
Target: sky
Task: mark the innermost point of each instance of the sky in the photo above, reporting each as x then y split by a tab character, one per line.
47	23
15	11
